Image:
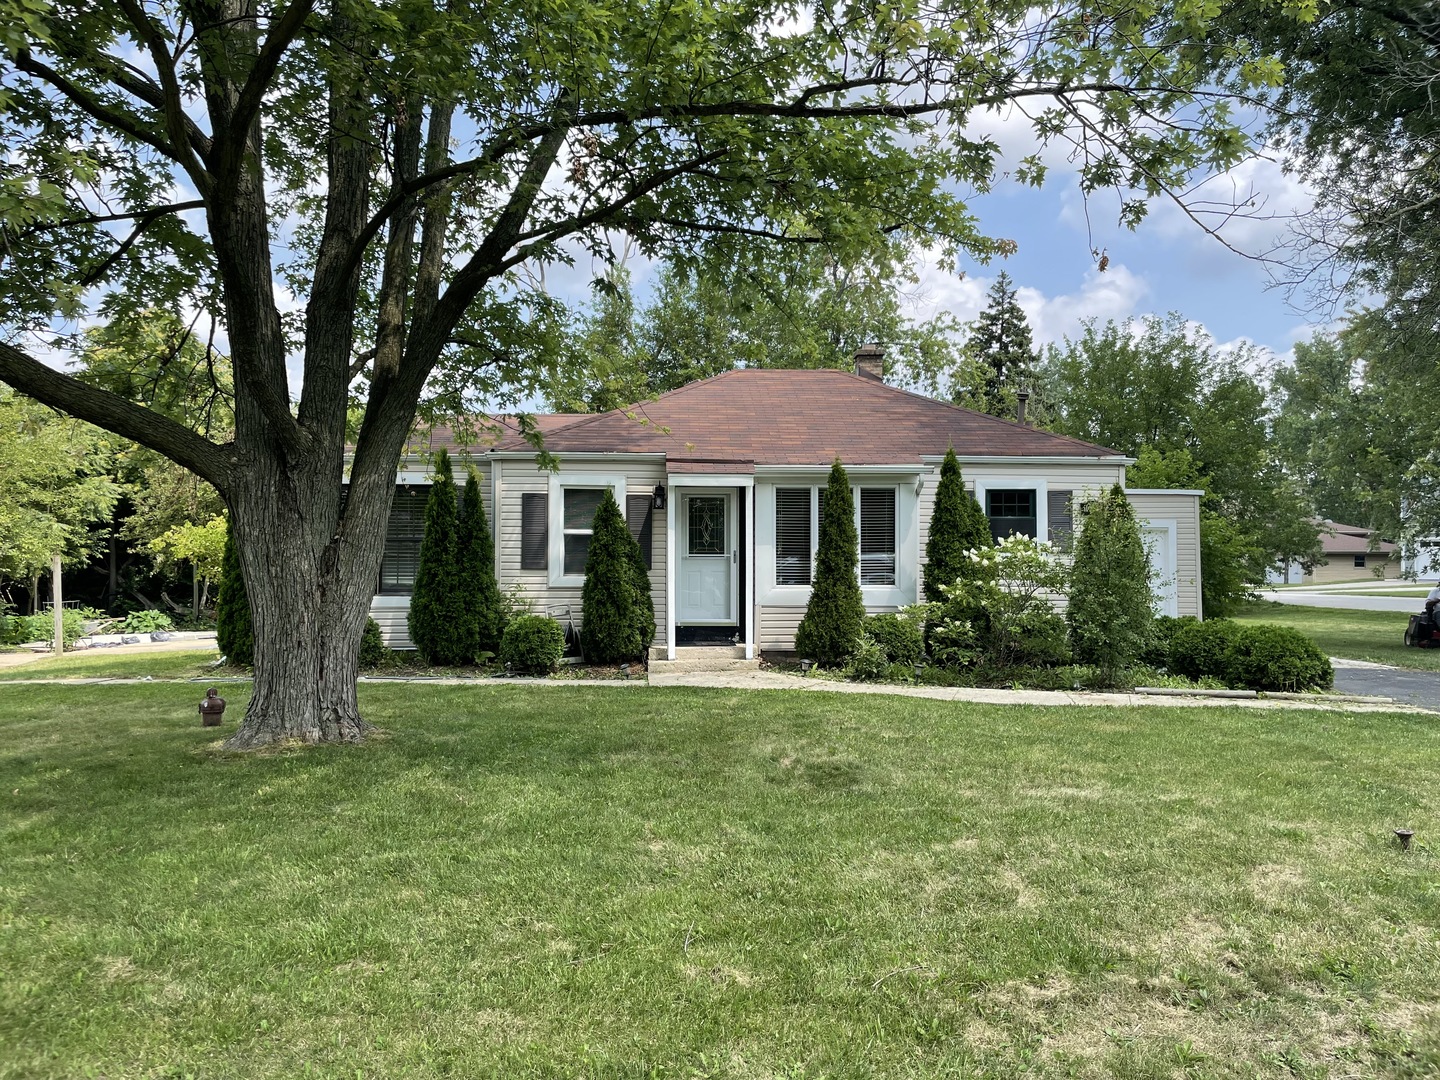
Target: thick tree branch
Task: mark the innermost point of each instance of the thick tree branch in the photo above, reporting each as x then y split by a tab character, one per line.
122	121
282	33
128	215
173	108
112	412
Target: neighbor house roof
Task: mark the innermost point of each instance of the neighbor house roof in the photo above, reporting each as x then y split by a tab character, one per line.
801	417
1337	539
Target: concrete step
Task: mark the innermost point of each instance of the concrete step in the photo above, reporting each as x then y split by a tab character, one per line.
718	664
700	652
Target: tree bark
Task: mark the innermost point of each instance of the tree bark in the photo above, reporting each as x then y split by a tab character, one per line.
310	575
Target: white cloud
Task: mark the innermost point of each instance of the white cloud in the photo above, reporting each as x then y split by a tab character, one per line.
1114	294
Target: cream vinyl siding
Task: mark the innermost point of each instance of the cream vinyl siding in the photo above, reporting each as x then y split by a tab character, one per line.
778	624
1183	508
520	476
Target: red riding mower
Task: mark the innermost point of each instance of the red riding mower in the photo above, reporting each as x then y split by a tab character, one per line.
1422	632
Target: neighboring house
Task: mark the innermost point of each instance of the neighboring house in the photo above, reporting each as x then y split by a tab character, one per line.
721	483
1348	553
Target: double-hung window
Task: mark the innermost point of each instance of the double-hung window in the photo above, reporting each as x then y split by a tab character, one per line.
877	536
798	512
403	533
578	525
794	539
1012	510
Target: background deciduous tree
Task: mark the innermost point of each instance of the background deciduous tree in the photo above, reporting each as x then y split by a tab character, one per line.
1198	417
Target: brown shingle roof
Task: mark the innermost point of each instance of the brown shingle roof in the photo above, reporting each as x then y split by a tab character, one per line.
803	417
1337	539
490	432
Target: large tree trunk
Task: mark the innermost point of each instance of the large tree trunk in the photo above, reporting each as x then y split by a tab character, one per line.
310	575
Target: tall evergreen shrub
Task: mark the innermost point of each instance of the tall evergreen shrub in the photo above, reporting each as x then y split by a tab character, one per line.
830	630
234	624
482	616
644	600
437	606
1111	612
957	525
609	608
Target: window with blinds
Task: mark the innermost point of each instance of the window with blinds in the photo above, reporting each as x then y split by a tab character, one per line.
403	534
877	536
578	524
793	548
1011	511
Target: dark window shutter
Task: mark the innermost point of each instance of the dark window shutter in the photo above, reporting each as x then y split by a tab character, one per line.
638	514
534	530
1062	520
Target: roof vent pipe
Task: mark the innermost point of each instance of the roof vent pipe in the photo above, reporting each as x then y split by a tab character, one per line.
870	362
1022	399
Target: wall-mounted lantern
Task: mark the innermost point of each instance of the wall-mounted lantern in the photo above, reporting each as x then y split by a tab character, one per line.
658	498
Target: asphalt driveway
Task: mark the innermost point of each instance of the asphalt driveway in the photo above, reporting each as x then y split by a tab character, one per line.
1421	688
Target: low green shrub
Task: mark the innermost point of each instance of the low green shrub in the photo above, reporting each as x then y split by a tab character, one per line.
532	644
1162	640
1198	649
373	652
146	622
24	629
1268	657
902	638
868	662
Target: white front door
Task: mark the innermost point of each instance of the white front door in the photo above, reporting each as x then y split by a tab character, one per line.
707	556
1160	543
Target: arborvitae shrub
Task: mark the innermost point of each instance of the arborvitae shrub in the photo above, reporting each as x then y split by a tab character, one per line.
373	652
532	645
902	639
644	600
957	525
609	617
1162	640
830	630
482	613
1111	608
234	624
1267	657
437	607
1198	649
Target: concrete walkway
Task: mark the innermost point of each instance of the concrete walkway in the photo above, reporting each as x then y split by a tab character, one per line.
768	680
180	641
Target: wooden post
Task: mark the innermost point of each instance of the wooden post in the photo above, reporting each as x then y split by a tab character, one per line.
55	600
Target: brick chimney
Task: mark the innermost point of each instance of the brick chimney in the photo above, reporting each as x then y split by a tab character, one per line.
870	362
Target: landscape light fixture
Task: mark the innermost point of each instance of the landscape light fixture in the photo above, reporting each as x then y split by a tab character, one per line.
1404	835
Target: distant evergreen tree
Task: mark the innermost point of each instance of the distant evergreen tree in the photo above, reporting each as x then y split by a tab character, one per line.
1000	340
957	525
609	616
482	617
830	630
1111	610
437	606
234	624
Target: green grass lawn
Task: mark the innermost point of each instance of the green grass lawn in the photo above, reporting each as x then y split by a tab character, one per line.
100	664
1377	636
677	883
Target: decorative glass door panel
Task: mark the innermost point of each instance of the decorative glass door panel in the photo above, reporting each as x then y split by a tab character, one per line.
707	560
